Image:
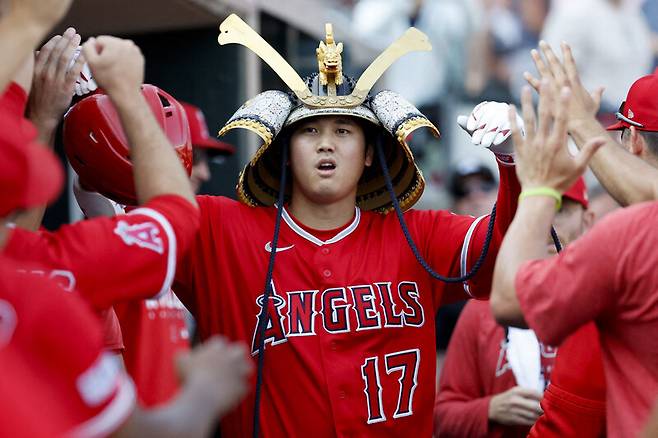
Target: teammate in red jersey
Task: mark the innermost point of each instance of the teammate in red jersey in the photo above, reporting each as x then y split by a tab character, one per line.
630	178
156	330
493	378
148	241
346	334
49	342
595	279
52	356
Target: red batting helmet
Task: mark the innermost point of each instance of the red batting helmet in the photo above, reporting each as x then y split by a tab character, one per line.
97	147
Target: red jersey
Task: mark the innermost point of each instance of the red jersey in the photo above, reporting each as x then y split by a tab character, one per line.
607	276
574	402
109	260
154	332
112	335
350	348
476	367
80	390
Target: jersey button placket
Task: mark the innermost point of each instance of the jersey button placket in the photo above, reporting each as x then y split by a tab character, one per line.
326	273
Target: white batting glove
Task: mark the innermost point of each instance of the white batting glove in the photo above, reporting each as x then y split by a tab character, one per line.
94	204
85	83
488	125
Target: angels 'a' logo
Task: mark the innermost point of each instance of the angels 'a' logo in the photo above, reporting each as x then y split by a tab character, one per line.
145	235
503	363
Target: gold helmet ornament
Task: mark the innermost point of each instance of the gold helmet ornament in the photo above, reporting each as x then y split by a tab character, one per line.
329	92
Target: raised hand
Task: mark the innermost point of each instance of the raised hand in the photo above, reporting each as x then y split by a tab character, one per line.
222	368
55	75
488	125
584	105
542	156
117	64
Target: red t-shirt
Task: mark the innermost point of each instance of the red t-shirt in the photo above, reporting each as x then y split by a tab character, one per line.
476	367
74	386
574	402
608	276
350	348
154	333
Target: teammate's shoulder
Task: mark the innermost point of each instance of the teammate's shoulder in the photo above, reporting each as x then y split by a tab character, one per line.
214	203
642	217
216	207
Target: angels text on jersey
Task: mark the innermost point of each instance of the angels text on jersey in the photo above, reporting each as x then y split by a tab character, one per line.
338	310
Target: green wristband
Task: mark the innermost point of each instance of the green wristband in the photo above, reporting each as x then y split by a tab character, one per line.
543	191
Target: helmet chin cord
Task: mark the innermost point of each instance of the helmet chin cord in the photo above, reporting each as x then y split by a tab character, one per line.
264	316
379	146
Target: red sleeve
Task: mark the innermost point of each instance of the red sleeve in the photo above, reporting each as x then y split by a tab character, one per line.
508	195
462	408
574	403
112	335
559	294
567	415
109	260
210	212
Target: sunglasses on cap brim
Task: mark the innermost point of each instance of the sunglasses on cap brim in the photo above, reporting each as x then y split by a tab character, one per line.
619	115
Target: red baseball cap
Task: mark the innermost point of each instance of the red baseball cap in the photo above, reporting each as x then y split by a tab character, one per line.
578	193
30	174
640	109
199	132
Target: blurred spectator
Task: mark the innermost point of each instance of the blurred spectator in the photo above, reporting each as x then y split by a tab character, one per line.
650	10
498	53
473	188
424	78
205	148
610	39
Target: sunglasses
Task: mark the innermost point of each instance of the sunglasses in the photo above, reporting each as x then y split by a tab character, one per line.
619	115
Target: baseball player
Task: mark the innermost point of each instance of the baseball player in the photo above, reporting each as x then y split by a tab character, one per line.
154	331
49	79
494	377
148	241
580	392
343	324
595	279
50	343
52	358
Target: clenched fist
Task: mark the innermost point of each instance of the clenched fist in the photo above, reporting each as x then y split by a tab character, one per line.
117	64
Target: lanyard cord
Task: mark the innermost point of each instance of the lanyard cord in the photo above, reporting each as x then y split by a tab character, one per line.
263	317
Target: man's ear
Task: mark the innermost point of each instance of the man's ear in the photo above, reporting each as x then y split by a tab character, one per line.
637	143
370	153
588	219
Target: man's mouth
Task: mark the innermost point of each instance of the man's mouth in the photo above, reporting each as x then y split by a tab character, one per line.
326	166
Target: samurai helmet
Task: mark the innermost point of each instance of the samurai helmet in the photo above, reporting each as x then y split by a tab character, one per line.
329	92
